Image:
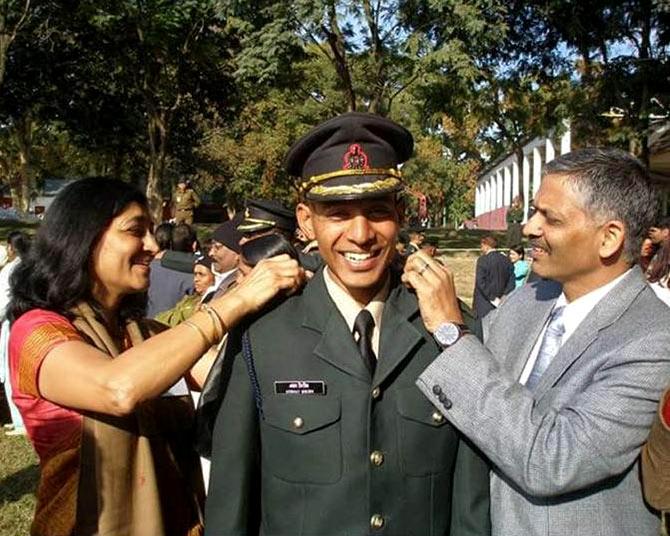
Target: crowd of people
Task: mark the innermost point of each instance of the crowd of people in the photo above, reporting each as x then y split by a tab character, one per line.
344	388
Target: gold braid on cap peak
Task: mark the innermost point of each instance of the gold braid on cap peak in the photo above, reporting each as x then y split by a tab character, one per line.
249	224
310	184
353	189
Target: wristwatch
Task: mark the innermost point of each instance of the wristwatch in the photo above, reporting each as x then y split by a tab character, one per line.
447	333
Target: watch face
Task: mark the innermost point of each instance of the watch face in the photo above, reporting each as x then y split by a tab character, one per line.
447	333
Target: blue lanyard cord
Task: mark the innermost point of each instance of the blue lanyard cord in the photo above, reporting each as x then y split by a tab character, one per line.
251	370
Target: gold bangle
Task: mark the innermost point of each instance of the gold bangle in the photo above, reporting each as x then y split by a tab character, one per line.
224	328
197	328
216	324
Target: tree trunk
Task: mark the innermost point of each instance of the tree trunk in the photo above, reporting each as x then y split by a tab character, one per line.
377	98
645	96
23	181
336	43
157	155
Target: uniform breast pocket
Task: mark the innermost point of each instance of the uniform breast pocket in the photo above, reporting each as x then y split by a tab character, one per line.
427	442
301	439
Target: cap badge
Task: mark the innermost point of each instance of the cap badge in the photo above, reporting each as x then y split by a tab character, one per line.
355	158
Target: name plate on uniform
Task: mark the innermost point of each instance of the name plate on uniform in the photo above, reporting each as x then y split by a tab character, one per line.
300	387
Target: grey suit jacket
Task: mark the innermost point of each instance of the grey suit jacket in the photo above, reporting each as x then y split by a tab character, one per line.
565	455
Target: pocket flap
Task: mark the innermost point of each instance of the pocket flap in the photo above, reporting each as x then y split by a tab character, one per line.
413	405
301	414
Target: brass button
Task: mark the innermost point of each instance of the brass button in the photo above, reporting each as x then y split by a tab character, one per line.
438	418
377	457
376	392
376	521
298	423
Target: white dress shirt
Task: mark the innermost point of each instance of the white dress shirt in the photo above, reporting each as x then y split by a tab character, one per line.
573	315
349	307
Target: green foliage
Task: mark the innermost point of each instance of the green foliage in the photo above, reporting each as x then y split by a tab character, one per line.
217	90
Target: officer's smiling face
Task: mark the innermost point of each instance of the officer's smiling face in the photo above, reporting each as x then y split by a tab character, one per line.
356	240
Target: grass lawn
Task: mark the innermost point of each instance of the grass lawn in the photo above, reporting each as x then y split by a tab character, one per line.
18	479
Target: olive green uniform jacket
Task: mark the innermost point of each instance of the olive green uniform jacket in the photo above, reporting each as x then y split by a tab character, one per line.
184	204
367	456
656	463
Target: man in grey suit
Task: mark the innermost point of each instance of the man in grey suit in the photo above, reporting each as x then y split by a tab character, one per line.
562	394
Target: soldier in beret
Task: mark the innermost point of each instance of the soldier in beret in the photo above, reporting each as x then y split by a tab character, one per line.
321	430
185	202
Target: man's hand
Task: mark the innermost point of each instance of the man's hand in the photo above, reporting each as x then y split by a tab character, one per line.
434	286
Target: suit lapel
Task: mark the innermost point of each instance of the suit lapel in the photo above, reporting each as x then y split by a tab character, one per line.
533	327
521	336
336	345
605	313
398	335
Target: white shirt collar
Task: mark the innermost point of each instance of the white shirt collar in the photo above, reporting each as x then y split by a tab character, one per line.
349	307
573	315
575	312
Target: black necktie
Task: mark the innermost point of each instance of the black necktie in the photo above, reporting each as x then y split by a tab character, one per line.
363	326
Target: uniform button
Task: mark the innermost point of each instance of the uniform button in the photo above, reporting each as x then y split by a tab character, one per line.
298	423
437	417
376	392
447	404
442	398
376	521
437	389
377	457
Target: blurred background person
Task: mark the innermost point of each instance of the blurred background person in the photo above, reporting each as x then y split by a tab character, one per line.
647	252
514	217
185	201
171	276
267	216
517	256
429	246
658	273
203	278
103	391
416	238
494	279
659	234
18	243
224	249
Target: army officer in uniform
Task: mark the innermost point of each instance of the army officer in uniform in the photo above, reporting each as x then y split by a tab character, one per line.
321	430
185	202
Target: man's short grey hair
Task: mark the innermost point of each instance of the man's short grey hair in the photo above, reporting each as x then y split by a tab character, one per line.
612	185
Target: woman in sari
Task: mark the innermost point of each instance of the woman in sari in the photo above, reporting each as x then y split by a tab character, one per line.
102	390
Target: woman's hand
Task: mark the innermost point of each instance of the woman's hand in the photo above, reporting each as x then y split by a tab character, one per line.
270	277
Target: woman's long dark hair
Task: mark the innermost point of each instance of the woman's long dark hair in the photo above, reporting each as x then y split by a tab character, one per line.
55	274
661	267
